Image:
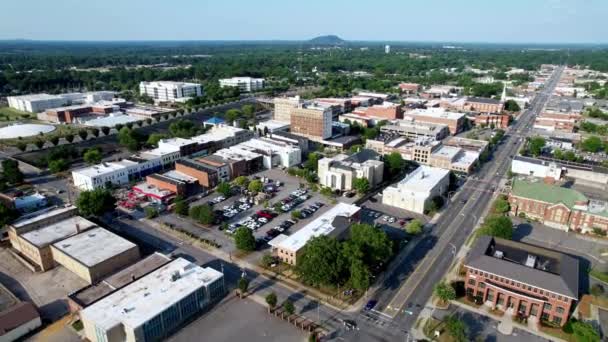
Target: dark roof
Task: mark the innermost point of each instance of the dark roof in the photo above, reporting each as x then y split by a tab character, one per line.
17	315
345	140
553	271
197	166
341	222
483	100
290	136
364	155
166	179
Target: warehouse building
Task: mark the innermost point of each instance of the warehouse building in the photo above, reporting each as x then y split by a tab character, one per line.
155	306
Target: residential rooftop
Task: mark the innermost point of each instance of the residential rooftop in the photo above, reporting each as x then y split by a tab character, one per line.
529	264
142	300
322	225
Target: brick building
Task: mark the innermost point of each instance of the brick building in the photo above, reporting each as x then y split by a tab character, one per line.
386	110
312	122
557	207
454	121
522	279
409	88
206	175
483	105
498	120
560	122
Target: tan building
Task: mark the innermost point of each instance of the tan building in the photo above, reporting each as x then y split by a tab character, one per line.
339	172
283	107
83	255
454	121
483	105
312	122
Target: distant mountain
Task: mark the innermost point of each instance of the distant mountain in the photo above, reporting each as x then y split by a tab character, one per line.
327	40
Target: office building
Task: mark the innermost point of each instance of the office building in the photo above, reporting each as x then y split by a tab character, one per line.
154	306
312	122
169	91
454	121
283	107
521	279
334	223
339	172
483	105
414	129
416	191
493	120
245	84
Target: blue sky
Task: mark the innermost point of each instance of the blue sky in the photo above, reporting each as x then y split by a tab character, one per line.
548	21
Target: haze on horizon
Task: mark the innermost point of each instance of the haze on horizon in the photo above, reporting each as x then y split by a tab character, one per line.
514	21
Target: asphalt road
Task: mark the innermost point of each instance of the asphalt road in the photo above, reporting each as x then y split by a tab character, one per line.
406	300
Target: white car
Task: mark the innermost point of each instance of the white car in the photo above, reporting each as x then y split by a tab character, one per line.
263	220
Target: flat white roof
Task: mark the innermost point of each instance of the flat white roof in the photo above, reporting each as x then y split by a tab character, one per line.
111	120
24	130
273	124
168	83
93	246
179	176
42	216
447	151
36	97
59	231
322	225
142	300
435	113
422	179
100	169
267	144
466	159
217	133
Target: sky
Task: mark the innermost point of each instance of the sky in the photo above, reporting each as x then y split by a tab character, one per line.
499	21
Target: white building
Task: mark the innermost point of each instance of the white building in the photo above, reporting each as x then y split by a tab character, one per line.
154	306
245	84
416	190
536	168
334	223
273	126
387	49
339	172
276	153
169	91
36	103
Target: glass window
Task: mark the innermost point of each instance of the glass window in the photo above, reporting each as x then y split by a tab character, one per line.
482	285
547	307
472	282
557	320
559	310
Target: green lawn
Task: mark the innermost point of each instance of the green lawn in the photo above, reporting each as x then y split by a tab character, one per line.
10	114
599	275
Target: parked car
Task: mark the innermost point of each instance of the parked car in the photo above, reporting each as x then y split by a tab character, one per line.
370	304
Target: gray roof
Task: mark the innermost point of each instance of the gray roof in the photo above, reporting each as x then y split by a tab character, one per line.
363	156
553	271
483	100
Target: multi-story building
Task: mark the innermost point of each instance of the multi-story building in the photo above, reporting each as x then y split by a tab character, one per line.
169	91
409	88
340	171
483	105
36	103
275	152
177	182
334	223
557	121
454	121
245	84
312	122
497	120
206	175
415	129
416	191
283	106
385	111
154	306
522	279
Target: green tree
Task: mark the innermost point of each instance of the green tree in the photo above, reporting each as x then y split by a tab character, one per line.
584	332
224	189
151	212
312	162
241	181
290	309
105	130
498	226
361	185
183	129
592	144
359	275
54	140
322	262
535	145
394	162
369	244
501	206
243	285
11	172
58	165
414	227
181	207
202	213
7	214
248	110
154	138
92	156
129	139
445	292
95	131
83	134
21	146
271	300
456	328
512	106
326	191
296	214
255	186
232	114
95	202
244	239
39	143
69	138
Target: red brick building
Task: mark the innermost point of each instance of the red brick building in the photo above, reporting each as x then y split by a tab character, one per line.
206	175
387	110
522	279
498	120
483	105
409	88
560	122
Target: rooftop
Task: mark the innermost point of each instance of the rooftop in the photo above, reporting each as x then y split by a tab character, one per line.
100	169
447	152
58	231
322	225
483	100
547	193
41	216
529	264
85	247
435	113
142	300
422	179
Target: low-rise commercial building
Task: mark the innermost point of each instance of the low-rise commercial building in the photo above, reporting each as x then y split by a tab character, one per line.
556	121
36	103
272	126
454	121
17	318
177	182
339	172
467	144
409	88
553	170
493	120
206	175
385	111
245	84
483	105
154	306
522	279
275	152
416	191
169	91
415	129
334	222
